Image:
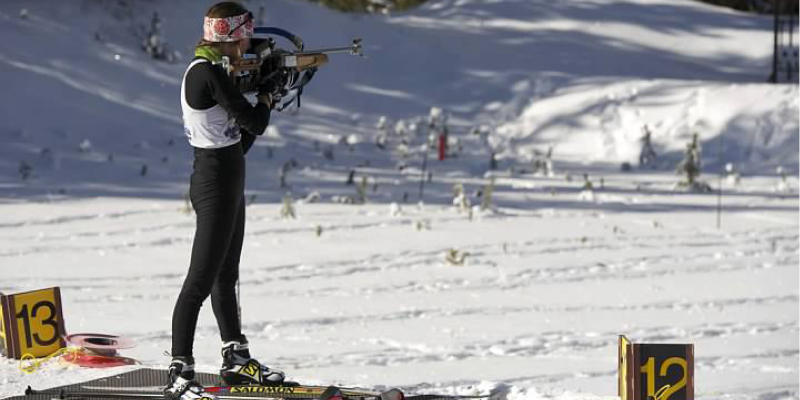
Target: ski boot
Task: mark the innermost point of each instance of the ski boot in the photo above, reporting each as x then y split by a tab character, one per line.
238	368
181	384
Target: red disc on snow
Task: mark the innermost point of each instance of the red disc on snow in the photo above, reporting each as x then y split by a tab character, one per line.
84	358
100	344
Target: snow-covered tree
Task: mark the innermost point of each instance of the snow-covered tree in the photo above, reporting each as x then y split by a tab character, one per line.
284	171
691	165
647	155
154	43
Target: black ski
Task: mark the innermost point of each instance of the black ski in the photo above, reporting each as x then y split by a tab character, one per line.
62	394
239	393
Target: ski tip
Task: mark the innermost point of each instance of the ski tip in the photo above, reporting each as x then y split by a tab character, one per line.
393	394
332	393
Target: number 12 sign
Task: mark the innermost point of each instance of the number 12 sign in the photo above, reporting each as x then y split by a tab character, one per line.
31	323
655	371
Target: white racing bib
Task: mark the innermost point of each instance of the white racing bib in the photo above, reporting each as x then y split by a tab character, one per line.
207	129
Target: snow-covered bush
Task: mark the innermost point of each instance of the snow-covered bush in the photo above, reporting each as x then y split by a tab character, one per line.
382	132
312	197
732	176
455	257
361	191
461	200
287	209
154	43
587	192
25	170
486	195
395	210
543	163
690	167
783	184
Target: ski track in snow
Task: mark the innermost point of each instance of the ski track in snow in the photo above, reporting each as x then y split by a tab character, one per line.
495	265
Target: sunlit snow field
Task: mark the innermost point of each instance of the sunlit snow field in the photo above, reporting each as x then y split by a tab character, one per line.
543	281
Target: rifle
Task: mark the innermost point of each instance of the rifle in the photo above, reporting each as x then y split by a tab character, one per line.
267	68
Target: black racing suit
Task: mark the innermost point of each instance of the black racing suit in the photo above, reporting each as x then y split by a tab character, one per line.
217	195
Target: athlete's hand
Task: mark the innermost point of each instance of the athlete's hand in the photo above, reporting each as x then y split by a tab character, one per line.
266	98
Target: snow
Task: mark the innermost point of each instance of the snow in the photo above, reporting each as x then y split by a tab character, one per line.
364	294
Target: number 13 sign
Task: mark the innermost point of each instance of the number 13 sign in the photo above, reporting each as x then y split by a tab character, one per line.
655	371
31	323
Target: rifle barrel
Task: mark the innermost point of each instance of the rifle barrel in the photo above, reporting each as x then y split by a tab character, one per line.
332	50
354	49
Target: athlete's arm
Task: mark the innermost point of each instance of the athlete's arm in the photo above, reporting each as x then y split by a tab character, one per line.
207	84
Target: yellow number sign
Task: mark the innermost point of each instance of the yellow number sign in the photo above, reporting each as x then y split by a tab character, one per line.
32	323
656	371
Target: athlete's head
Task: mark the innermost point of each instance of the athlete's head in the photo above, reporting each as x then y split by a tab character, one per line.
228	26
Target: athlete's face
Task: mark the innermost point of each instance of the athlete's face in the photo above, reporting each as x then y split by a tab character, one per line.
243	45
239	48
234	50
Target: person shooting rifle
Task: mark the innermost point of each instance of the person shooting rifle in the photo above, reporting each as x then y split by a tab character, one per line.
221	126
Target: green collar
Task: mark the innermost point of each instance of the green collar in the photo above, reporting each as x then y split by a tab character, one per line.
209	53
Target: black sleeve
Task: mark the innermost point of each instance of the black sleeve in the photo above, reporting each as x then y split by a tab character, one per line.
207	84
247	141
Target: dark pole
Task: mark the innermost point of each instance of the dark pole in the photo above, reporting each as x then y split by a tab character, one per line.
425	161
719	184
790	47
774	77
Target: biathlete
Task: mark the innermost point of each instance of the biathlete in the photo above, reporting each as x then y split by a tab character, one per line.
221	125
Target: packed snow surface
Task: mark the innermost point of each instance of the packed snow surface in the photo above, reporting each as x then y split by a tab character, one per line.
524	298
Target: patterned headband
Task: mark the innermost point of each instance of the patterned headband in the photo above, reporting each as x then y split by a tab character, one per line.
228	29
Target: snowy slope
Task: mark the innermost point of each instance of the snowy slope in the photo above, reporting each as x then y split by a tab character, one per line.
580	76
552	276
536	308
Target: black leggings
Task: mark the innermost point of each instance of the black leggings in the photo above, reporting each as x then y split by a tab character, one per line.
217	194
